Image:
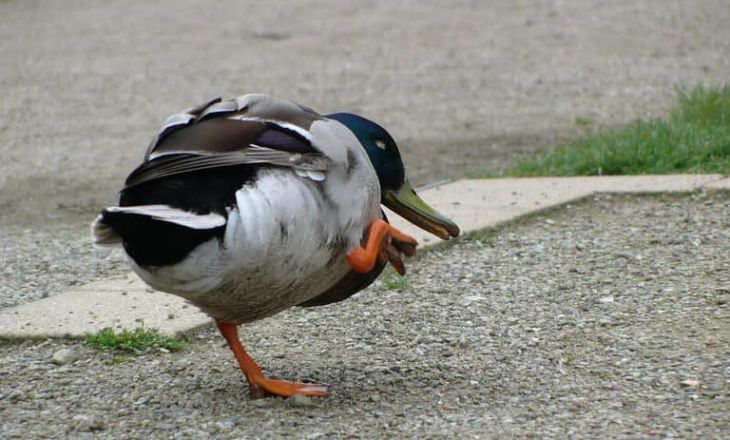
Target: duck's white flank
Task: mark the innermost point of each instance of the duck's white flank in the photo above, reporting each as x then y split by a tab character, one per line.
285	242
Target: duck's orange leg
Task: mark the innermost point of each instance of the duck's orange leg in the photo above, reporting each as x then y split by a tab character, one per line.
260	385
362	259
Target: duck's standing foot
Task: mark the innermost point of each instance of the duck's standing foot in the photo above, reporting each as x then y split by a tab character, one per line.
385	241
260	385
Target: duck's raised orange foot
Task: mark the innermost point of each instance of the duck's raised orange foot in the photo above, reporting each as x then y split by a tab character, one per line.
362	259
259	384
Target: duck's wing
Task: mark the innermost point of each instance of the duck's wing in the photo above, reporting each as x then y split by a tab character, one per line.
253	129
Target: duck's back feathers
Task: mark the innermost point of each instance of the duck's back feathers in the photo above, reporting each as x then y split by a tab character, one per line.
253	106
186	163
251	130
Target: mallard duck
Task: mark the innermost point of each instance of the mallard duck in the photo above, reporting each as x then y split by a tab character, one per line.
249	206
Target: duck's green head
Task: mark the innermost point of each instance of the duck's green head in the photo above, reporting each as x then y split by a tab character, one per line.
397	193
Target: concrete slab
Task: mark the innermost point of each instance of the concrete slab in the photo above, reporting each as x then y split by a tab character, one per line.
125	302
122	302
722	184
481	203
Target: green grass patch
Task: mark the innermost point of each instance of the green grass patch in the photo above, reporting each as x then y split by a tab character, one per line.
132	341
396	282
695	138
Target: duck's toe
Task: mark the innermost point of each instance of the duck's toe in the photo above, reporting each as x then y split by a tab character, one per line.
265	387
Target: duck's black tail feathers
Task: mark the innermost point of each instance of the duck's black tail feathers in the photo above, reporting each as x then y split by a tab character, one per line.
155	235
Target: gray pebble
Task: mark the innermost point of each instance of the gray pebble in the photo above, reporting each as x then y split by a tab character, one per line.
65	356
86	423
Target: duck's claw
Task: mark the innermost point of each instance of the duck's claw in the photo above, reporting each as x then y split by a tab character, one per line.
409	249
394	257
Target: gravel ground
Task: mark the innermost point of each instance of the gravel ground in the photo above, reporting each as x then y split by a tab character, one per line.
603	319
68	259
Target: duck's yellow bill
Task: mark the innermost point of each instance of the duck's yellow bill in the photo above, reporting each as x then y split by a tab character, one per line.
406	203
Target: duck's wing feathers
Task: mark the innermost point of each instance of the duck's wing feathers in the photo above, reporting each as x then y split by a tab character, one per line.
180	163
253	129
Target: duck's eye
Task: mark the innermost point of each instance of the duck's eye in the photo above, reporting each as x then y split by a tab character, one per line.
380	144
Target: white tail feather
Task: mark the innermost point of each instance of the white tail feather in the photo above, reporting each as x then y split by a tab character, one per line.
173	215
103	234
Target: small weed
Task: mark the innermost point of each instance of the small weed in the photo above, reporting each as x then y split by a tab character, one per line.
131	341
567	360
116	359
483	174
397	283
583	122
